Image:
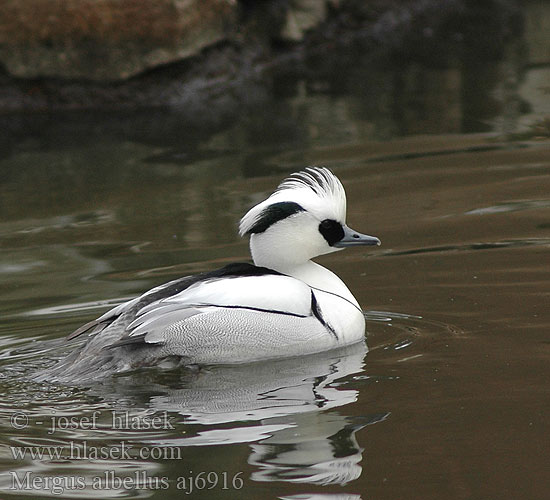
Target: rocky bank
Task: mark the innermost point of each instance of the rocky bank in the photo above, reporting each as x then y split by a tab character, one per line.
112	54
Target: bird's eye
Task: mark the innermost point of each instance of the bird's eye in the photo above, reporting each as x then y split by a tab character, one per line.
331	230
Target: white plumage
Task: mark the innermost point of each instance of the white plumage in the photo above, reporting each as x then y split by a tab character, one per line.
283	305
317	190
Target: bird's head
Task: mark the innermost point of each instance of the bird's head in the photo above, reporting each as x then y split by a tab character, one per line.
304	217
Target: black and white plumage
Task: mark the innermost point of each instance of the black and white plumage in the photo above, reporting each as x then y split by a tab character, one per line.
283	305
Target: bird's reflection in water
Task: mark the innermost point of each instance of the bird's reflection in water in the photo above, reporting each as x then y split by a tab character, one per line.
283	408
319	450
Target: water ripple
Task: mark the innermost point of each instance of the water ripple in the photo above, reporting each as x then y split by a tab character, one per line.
75	308
528	242
510	206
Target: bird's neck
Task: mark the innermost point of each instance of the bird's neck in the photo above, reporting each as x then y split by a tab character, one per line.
315	275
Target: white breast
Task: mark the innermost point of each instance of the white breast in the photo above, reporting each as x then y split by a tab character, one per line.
343	316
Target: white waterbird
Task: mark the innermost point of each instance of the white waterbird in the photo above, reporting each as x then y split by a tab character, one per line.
282	305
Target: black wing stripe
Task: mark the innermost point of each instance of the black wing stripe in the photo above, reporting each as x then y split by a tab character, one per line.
90	326
140	339
316	310
260	309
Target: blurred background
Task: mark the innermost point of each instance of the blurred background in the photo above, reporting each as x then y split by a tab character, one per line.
347	67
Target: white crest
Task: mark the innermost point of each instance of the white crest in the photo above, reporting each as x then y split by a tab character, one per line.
315	189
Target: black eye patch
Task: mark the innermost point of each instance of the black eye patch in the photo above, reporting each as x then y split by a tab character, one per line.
274	213
332	231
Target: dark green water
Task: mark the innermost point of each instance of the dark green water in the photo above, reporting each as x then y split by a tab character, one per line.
452	399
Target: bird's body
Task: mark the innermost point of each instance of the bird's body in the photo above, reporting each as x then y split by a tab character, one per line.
283	305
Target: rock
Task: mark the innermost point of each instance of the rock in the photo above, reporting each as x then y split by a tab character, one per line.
106	40
81	54
302	16
537	29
